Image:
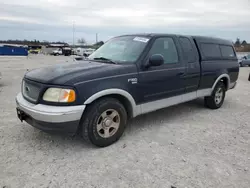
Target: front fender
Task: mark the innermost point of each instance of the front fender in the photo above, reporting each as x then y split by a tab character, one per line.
115	91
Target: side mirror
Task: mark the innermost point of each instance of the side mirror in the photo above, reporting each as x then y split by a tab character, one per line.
156	60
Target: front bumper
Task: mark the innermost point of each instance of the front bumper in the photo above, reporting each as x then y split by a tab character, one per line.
64	119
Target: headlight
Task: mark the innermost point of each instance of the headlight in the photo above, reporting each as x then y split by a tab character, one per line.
59	95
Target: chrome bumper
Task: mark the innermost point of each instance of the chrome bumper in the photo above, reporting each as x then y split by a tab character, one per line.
52	114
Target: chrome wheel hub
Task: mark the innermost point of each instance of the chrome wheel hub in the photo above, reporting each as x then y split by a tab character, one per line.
108	123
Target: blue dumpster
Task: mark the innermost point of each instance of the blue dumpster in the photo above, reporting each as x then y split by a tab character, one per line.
13	50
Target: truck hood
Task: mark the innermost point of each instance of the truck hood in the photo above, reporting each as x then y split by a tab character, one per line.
81	70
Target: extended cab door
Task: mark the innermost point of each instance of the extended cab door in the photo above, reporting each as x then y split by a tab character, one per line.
165	81
191	60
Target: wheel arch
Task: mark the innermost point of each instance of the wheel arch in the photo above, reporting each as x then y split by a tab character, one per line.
123	96
224	78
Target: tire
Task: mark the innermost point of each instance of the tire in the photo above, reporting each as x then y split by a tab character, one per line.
93	127
214	103
241	65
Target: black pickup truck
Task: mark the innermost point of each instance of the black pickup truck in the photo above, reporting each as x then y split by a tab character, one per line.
128	76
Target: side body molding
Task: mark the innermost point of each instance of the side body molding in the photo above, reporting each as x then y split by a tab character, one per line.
155	105
136	109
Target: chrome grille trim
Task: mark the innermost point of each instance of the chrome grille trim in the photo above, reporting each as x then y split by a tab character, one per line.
31	90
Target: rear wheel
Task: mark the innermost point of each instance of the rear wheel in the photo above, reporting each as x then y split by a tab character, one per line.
216	100
104	122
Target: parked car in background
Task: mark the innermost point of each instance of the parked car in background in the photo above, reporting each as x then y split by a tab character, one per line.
34	49
67	51
245	61
84	51
127	76
74	51
88	52
57	52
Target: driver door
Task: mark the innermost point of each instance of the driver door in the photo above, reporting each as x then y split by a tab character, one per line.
162	82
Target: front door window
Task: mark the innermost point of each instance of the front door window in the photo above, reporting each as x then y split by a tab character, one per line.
166	47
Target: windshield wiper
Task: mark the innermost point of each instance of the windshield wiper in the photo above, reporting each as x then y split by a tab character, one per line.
105	59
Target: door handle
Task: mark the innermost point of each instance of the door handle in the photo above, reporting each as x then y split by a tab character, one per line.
180	73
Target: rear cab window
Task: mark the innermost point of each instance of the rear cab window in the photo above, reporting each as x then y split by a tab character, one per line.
227	51
211	50
215	48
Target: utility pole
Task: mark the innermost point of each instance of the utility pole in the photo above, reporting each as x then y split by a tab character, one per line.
96	37
73	33
73	38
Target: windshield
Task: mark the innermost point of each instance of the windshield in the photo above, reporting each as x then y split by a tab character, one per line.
248	56
126	49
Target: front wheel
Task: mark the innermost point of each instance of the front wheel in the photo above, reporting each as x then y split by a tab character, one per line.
104	122
216	100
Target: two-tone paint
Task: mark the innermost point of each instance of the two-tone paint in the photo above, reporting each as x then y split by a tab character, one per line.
140	88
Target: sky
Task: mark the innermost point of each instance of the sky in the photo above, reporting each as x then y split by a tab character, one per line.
53	20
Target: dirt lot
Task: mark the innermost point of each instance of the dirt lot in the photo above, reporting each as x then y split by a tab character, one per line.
182	146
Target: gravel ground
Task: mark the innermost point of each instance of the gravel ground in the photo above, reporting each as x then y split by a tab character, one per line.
183	146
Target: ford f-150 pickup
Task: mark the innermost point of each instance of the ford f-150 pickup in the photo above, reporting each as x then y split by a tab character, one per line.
128	76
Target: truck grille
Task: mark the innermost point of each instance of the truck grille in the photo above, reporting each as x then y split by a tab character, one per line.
31	90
